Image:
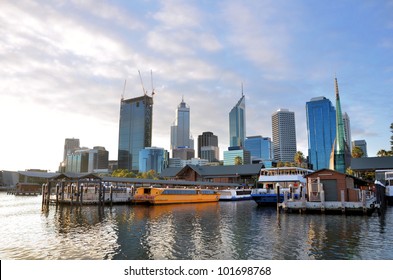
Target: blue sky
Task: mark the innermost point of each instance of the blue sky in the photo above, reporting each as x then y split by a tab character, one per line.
64	63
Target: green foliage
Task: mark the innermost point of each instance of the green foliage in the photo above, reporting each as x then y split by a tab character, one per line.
238	160
124	173
357	152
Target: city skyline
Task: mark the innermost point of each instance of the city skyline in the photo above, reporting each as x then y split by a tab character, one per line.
64	66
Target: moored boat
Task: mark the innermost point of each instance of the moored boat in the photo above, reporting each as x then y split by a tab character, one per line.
389	187
276	182
154	196
235	194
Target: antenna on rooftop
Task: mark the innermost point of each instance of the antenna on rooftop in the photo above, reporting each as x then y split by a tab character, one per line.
143	88
124	89
242	90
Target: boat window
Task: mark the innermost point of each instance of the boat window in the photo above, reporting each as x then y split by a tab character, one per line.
146	191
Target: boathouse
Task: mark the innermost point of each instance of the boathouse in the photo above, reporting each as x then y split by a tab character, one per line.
335	184
246	174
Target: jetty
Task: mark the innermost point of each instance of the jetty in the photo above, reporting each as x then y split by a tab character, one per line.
91	189
329	191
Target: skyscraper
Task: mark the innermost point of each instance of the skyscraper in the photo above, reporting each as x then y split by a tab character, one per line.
237	123
208	146
70	145
321	131
340	156
284	135
153	158
362	144
135	130
180	130
260	148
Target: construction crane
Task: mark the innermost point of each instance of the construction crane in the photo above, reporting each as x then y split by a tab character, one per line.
143	88
152	87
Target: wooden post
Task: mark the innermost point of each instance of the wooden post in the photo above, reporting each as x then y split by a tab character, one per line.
81	194
322	194
72	193
62	192
278	197
103	194
57	193
43	196
111	194
48	194
342	201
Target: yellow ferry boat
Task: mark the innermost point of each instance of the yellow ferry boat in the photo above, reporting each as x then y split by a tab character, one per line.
151	195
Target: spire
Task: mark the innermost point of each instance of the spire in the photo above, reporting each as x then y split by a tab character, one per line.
340	163
336	85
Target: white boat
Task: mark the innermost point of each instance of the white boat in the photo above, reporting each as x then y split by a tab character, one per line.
389	187
286	179
235	194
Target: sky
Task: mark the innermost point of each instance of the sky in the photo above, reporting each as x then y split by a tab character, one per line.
63	67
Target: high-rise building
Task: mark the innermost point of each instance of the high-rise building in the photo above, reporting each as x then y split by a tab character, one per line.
208	147
237	123
260	148
70	145
284	135
87	160
98	159
321	131
135	130
180	130
362	144
231	157
340	156
153	158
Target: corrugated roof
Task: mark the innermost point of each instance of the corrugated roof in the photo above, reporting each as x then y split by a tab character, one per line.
371	163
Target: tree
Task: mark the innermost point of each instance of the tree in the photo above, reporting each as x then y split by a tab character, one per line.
384	153
357	152
299	158
238	160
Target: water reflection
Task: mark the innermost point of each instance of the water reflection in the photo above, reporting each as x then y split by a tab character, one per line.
225	230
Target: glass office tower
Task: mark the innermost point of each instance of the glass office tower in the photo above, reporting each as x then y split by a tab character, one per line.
135	130
260	148
321	131
237	123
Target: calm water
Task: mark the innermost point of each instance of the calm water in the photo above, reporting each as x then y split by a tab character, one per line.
225	230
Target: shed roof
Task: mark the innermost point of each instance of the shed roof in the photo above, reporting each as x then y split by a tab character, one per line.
372	163
222	170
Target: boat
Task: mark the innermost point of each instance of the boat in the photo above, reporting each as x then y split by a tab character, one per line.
389	187
235	194
275	182
155	195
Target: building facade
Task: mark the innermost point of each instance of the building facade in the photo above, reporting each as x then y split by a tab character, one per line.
87	160
260	148
208	147
135	130
284	135
153	158
362	144
231	155
237	123
321	131
180	130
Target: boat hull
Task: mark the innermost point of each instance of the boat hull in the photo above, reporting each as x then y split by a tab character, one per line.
172	199
157	196
268	199
235	195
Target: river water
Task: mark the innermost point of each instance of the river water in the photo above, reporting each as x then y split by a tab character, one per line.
210	231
